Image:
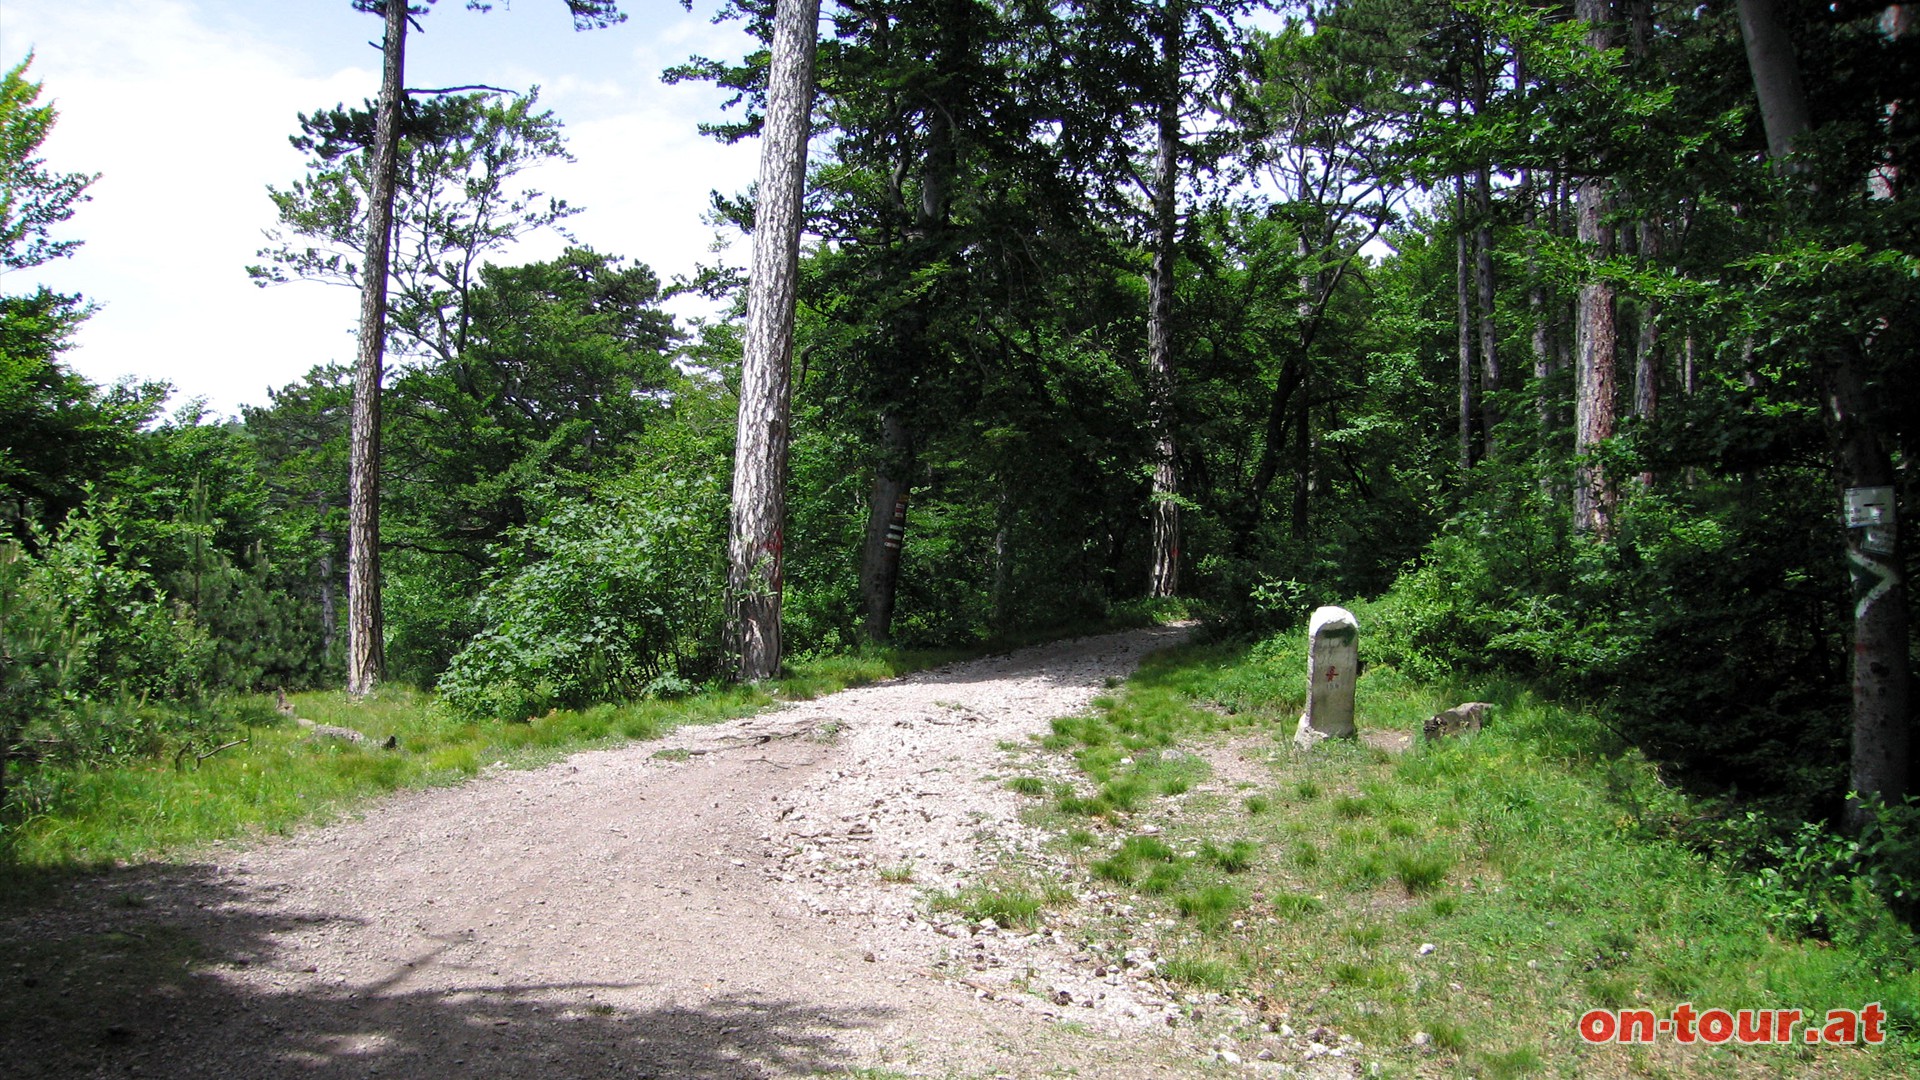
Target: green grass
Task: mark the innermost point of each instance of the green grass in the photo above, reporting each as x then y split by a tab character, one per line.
1009	902
63	819
1484	892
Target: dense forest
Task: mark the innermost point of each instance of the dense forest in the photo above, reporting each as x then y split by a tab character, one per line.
1574	342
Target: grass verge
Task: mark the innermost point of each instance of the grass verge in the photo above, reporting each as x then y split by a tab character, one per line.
65	820
1456	908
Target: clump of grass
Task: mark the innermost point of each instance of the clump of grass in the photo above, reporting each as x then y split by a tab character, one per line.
1294	906
1235	858
1007	903
1365	935
1209	905
1352	806
1307	790
1202	972
1028	785
1257	804
1421	871
1135	851
1164	878
899	874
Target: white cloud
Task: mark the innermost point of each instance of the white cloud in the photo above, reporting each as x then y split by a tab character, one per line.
184	109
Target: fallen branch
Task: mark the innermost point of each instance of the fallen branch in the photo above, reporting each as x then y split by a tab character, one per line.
179	758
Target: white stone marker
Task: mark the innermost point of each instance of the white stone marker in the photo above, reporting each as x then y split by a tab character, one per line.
1333	665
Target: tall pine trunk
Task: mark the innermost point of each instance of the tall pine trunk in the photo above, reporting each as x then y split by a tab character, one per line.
1596	335
1881	759
1489	330
886	526
1163	572
1647	352
366	651
756	528
1463	319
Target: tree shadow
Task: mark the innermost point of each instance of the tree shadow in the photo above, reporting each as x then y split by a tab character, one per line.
132	973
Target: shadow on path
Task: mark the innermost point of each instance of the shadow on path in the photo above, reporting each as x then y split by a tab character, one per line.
173	971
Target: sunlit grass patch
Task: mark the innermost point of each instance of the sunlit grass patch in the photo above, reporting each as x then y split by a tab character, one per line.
1008	902
1482	893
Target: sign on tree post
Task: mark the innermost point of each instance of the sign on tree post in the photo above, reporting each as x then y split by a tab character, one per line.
1333	666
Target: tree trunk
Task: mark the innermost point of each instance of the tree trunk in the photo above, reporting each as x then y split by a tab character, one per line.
366	651
1483	272
329	610
1776	77
1463	321
1541	337
1647	358
758	516
886	526
1163	573
1882	740
1596	335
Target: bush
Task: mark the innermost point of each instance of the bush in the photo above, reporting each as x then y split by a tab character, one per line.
1710	635
606	598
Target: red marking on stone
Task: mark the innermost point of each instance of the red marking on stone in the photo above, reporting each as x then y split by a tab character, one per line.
1332	674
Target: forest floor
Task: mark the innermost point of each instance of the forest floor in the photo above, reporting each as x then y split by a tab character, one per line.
747	899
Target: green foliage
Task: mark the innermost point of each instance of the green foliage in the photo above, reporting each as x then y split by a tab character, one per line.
35	199
602	600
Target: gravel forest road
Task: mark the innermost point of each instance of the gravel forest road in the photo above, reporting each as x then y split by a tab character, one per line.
727	902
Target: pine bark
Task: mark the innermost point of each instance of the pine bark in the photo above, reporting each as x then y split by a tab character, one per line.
1163	572
1880	764
1463	320
756	527
1596	334
1489	330
1648	355
366	651
886	526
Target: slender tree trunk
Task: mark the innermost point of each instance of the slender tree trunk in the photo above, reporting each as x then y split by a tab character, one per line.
1596	335
1489	331
366	650
1563	310
329	609
1163	573
1540	340
1003	559
756	533
1647	353
1483	272
886	526
1463	321
1881	762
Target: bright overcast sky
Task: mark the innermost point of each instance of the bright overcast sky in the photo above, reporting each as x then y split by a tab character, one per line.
184	108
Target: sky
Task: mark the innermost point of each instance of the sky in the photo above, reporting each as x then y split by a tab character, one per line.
184	108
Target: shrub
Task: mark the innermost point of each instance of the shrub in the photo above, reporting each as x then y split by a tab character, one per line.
605	598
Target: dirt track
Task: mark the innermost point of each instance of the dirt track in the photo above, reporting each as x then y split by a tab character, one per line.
718	904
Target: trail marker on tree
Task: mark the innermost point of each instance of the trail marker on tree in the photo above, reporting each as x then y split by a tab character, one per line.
1333	666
